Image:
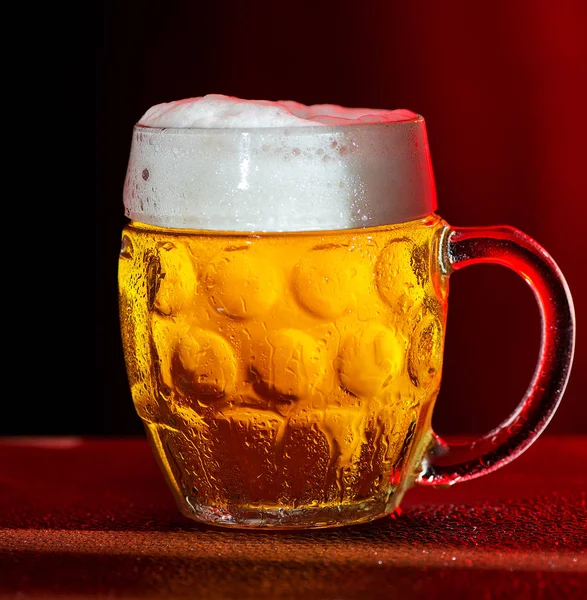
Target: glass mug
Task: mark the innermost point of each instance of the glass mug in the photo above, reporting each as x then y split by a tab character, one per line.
283	300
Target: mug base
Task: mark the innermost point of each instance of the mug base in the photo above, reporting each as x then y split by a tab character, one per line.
308	517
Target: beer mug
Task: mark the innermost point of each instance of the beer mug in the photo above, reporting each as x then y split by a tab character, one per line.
283	301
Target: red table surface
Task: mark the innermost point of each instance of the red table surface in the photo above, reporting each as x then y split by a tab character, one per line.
84	518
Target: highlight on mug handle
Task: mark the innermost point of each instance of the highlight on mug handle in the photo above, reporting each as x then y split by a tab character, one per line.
461	247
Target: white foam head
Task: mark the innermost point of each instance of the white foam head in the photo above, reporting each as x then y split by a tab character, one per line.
222	163
216	110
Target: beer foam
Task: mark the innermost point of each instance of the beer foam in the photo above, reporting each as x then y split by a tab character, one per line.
222	163
217	110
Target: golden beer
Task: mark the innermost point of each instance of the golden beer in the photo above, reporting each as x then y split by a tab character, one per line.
285	372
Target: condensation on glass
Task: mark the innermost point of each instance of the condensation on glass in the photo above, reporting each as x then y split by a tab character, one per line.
283	299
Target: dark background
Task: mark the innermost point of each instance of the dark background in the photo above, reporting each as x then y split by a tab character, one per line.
502	86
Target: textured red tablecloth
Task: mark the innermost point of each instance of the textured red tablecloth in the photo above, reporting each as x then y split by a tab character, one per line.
94	519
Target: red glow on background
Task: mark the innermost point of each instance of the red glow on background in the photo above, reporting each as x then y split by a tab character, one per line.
502	87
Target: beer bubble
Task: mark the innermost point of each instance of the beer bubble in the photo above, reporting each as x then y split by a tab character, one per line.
241	285
370	359
328	281
289	362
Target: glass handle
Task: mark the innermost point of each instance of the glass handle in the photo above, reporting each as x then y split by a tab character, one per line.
461	247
